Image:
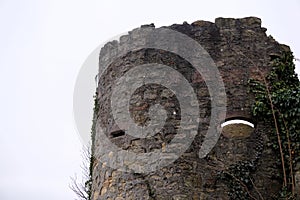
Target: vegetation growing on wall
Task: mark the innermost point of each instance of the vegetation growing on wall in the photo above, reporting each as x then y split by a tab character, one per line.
84	190
277	101
239	181
277	98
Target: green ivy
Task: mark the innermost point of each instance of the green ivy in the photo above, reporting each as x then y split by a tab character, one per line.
88	183
238	179
283	87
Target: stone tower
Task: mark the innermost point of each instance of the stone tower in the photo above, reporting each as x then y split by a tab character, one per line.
239	48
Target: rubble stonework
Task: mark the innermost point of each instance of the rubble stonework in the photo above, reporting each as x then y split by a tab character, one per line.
238	47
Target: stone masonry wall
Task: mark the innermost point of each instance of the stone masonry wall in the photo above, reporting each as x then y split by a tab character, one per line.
238	47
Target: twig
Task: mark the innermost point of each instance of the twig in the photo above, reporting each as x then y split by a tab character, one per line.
290	153
257	190
273	114
78	189
277	133
82	188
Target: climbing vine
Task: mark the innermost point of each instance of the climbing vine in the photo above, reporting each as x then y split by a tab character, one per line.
277	101
238	179
277	98
88	183
83	190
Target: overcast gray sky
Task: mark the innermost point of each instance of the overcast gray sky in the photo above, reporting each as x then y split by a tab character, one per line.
44	44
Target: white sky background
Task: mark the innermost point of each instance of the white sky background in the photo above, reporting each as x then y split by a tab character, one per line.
42	47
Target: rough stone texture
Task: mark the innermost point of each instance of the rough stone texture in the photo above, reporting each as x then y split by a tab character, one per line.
238	47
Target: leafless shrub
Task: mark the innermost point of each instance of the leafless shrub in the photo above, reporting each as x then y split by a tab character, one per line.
82	188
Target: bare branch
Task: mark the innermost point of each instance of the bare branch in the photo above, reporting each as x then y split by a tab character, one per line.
83	188
79	189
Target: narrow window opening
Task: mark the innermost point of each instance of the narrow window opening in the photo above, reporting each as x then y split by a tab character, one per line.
117	133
